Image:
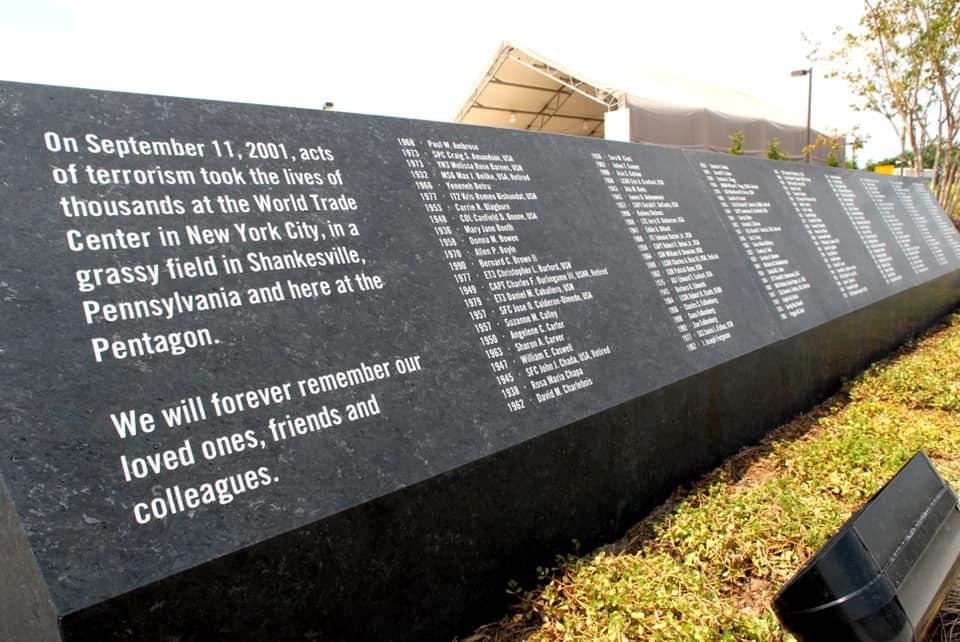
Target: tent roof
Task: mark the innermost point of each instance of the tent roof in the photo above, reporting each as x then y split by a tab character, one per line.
523	89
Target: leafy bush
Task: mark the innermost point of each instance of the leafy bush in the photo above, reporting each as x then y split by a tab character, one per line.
737	147
774	152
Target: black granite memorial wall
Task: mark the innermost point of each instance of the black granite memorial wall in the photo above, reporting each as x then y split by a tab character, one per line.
273	373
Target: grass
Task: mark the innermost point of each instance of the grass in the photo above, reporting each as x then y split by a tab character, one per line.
706	564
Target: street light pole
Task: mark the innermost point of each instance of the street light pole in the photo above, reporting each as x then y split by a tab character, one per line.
809	73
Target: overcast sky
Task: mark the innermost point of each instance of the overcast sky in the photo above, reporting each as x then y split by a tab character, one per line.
419	59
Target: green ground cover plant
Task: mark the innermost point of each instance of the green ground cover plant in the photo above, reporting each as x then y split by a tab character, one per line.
706	564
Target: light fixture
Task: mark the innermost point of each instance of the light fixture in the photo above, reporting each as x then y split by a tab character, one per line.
327	106
512	118
806	72
884	574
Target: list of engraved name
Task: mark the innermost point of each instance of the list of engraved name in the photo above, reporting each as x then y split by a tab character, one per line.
521	302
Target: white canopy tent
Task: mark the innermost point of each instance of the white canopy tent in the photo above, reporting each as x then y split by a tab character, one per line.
525	90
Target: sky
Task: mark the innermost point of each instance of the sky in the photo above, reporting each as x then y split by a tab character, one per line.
420	59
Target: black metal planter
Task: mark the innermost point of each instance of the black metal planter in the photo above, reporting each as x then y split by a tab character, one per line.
884	575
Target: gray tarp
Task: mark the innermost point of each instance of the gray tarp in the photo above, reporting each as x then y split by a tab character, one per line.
700	128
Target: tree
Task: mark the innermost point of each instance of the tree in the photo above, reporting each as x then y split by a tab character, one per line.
929	158
903	61
857	141
834	145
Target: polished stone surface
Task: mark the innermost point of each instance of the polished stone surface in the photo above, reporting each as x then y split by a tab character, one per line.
416	357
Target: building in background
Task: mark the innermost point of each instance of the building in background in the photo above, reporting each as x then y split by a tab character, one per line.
525	90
